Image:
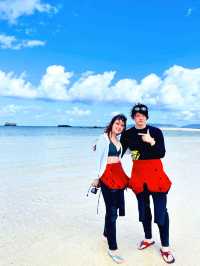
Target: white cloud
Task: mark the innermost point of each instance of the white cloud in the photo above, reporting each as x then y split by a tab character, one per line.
77	111
33	43
189	12
91	87
11	10
54	83
180	88
11	85
114	113
177	89
10	42
10	109
6	42
188	115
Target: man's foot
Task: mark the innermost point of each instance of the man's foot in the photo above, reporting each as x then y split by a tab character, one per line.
114	254
145	244
167	256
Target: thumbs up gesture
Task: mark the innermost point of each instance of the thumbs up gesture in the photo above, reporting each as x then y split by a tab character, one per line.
147	138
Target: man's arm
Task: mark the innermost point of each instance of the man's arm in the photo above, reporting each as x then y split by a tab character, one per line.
158	149
155	140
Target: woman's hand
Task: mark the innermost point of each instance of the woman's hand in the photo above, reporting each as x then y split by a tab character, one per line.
95	182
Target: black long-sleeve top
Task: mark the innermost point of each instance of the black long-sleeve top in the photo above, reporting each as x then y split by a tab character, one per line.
141	150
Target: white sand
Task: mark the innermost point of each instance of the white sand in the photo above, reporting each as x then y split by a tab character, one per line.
46	220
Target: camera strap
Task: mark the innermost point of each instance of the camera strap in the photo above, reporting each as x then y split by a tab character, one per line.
98	201
88	191
98	198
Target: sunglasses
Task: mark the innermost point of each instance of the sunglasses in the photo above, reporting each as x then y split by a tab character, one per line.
142	108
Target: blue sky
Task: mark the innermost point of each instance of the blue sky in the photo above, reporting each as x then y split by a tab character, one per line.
80	62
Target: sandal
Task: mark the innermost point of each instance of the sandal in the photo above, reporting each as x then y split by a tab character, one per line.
144	244
116	258
165	255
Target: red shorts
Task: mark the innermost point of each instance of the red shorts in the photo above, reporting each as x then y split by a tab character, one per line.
114	176
151	173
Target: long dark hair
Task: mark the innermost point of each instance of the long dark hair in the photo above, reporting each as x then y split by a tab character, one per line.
121	117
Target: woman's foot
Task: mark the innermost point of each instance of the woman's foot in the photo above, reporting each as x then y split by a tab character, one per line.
145	244
104	238
167	255
116	257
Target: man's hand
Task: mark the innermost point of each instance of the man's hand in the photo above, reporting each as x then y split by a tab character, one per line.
147	138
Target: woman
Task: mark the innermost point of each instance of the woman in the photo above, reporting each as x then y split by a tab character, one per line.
112	179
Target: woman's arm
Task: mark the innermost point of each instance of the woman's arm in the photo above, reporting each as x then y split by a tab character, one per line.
99	153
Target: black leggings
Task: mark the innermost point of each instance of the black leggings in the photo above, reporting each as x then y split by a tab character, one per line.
113	198
161	216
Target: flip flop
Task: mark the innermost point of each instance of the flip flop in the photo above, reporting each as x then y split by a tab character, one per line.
144	244
165	256
116	258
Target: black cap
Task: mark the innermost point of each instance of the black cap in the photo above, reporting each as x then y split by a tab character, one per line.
139	108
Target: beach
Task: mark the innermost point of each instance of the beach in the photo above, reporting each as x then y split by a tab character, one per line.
47	220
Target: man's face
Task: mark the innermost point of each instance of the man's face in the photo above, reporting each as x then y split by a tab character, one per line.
140	120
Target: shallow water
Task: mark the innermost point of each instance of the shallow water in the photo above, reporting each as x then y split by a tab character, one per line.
45	215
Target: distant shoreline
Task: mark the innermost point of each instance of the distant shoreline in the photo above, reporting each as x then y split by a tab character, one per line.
96	127
179	129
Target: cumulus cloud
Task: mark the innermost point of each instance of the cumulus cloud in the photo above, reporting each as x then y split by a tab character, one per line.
54	83
11	42
16	86
178	88
11	10
181	88
77	111
92	86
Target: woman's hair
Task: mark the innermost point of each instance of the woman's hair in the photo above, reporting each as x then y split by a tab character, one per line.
121	117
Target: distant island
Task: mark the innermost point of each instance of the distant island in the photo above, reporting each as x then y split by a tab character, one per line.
8	124
162	125
64	126
192	126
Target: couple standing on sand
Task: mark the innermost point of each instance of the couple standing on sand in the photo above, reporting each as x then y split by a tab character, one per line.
146	146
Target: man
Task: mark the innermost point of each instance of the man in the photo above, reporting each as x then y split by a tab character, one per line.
148	178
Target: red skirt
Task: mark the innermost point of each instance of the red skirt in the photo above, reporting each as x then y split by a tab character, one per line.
151	173
114	176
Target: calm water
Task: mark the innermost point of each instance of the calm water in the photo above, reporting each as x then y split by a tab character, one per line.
60	131
43	151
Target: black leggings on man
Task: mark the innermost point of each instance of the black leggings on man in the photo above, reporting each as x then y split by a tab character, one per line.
114	200
161	216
